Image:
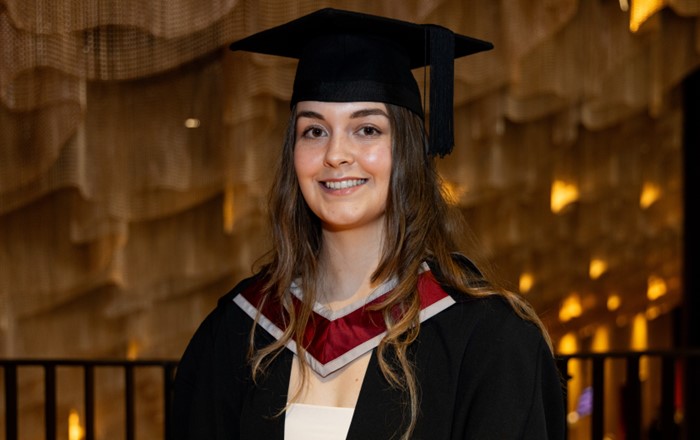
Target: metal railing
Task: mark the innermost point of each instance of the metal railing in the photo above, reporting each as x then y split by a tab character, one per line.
88	367
632	390
672	365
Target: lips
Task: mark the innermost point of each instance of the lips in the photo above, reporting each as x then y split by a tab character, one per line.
344	184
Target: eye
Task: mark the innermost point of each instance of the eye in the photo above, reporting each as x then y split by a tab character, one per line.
313	132
369	130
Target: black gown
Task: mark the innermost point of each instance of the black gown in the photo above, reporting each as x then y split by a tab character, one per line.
483	372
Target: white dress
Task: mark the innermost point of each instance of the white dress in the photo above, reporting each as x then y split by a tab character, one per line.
316	422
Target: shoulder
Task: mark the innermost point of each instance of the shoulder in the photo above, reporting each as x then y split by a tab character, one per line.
226	320
485	325
249	284
490	317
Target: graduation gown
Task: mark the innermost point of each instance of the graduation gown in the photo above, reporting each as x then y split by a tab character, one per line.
483	373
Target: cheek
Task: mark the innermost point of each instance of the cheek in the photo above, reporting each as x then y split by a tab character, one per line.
301	163
380	164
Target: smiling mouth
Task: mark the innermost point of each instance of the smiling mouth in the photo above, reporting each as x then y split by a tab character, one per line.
343	184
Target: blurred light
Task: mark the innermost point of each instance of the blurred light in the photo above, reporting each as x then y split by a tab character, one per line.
572	418
640	340
650	194
75	430
229	212
568	344
570	308
656	287
653	312
601	339
597	268
639	332
132	350
625	5
526	282
642	10
192	122
614	302
563	194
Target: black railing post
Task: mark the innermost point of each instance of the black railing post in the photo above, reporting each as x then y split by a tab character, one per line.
50	400
89	391
667	410
168	378
598	426
129	401
10	401
563	366
633	404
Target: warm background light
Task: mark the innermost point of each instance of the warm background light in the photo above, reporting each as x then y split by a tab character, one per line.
653	312
640	342
656	287
132	351
192	122
527	280
613	302
650	193
563	194
570	308
601	339
75	430
597	268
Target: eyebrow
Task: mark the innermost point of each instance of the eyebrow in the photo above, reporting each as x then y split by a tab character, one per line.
357	114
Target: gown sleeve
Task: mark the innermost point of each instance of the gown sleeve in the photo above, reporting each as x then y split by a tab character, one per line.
509	382
212	377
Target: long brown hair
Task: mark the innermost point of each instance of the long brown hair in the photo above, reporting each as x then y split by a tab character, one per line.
419	226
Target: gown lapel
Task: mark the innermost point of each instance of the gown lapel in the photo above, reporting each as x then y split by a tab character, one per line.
335	339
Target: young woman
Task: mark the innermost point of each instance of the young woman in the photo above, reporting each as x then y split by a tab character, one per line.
366	322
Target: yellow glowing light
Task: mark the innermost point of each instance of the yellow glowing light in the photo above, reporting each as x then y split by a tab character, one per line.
642	10
601	340
570	308
228	210
614	302
639	332
192	123
572	418
75	430
132	350
563	194
653	312
596	268
650	194
568	344
640	340
526	282
452	192
656	287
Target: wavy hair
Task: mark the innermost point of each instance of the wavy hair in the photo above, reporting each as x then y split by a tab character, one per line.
420	225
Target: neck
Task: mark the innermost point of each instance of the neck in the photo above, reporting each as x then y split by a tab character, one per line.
349	258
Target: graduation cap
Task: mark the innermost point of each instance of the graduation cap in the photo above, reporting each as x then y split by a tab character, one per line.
349	56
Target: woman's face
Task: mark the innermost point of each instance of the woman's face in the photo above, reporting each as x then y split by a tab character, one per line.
342	158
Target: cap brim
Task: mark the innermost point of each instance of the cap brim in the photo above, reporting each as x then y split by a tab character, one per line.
289	39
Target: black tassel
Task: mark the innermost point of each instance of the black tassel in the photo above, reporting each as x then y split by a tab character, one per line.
442	54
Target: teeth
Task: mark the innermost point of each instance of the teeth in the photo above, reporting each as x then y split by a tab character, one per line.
344	183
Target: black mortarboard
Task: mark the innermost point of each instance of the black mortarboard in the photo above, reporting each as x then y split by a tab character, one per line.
349	56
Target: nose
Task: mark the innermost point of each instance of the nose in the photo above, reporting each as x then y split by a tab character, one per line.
338	151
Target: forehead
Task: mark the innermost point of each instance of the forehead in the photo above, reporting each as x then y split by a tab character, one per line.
305	108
